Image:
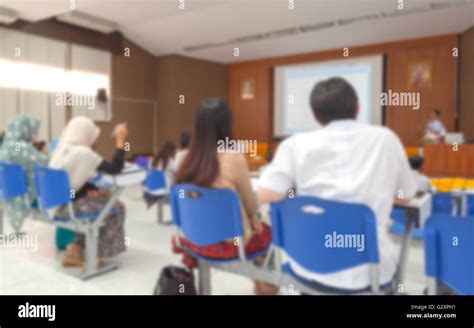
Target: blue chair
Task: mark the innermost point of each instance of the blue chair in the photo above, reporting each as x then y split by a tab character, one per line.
442	203
156	181
207	216
449	249
12	181
301	226
470	205
53	189
12	185
398	227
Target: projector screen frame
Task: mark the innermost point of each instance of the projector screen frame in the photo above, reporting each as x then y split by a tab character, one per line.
278	138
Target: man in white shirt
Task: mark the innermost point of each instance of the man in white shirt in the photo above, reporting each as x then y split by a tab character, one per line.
345	161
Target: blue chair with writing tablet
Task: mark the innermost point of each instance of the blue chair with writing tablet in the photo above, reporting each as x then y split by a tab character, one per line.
398	227
12	181
449	249
156	187
206	216
443	203
155	180
470	205
54	190
310	231
12	185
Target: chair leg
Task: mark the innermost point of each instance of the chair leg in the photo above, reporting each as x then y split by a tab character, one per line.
269	259
204	272
91	250
160	211
432	289
1	219
93	268
374	279
400	275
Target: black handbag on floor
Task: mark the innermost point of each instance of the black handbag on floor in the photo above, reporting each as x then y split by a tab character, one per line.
175	281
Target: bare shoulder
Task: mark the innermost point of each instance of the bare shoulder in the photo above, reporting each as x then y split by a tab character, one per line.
230	158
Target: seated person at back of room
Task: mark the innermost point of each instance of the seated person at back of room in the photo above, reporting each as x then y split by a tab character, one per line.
18	148
163	161
345	161
75	154
422	182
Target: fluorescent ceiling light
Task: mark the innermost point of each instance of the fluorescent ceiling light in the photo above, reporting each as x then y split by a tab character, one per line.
87	21
7	16
50	79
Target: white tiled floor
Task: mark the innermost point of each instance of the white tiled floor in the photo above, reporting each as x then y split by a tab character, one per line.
39	272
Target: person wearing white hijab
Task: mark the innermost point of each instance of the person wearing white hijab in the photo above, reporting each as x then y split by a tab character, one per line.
74	154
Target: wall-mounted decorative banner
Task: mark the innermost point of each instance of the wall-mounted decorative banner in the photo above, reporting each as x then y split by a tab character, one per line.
420	75
247	89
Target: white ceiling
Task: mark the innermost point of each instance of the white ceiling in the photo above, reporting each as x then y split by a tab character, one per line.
162	28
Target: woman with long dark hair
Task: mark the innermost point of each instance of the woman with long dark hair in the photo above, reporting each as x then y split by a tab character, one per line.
165	157
205	166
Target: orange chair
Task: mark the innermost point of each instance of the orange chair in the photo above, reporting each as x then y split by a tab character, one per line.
256	162
412	151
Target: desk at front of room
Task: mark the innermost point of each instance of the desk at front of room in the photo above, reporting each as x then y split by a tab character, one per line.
449	160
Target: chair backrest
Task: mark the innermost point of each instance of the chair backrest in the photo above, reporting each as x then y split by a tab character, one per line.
52	187
12	181
142	161
470	205
155	180
325	236
442	203
206	216
398	215
449	249
52	145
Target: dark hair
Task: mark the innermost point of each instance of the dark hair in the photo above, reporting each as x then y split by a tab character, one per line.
436	111
416	162
164	155
333	99
39	145
269	156
213	123
184	139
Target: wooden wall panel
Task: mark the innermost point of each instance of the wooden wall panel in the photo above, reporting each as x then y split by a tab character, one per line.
466	84
193	78
408	124
445	161
133	78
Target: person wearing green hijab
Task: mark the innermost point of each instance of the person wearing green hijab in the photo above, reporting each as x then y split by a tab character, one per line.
17	148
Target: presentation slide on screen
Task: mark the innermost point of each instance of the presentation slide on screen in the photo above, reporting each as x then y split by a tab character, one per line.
293	85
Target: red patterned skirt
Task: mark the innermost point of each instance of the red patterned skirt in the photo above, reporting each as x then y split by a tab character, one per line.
223	250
